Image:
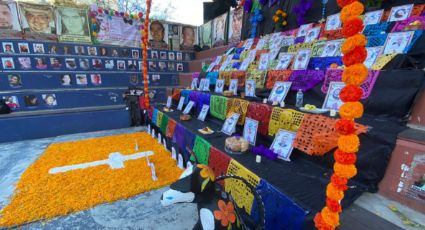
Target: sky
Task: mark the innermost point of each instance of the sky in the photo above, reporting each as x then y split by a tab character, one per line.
186	11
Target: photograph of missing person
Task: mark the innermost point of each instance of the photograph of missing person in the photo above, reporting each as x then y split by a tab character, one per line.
152	66
24	48
9	16
133	79
24	62
37	18
8	63
124	53
162	66
96	63
49	99
331	48
179	56
400	13
235	29
66	50
154	54
171	56
205	34
53	49
282	144
114	53
301	59
250	130
8	48
12	102
66	80
188	38
70	63
79	50
140	65
72	21
84	63
15	80
171	66
109	64
132	65
163	55
373	17
55	63
30	100
91	50
173	30
40	63
179	66
219	29
38	48
398	42
333	22
157	34
121	65
332	100
96	79
103	51
81	79
135	53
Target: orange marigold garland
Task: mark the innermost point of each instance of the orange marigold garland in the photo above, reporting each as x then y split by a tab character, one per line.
354	75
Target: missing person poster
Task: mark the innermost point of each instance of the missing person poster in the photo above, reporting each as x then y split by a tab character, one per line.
158	32
205	34
235	28
72	25
9	21
37	19
115	30
219	30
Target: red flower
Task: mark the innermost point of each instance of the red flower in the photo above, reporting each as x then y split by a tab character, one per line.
342	3
345	158
339	182
356	56
226	213
333	205
345	127
320	224
351	93
352	27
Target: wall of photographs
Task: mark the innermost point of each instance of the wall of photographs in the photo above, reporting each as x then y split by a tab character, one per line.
39	75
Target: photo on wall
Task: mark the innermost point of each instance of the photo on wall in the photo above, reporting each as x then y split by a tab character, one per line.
219	30
8	48
9	20
53	49
31	100
189	38
8	63
205	34
49	100
24	63
81	79
66	80
73	25
235	28
23	48
158	32
15	80
36	18
12	102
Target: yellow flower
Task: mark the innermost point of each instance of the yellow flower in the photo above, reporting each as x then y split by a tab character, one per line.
284	23
206	172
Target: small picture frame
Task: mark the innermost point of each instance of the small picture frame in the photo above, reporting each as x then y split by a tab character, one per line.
248	43
373	17
8	63
250	130
400	13
53	49
31	100
179	56
170	66
162	66
25	63
219	86
49	100
135	54
79	50
120	65
66	80
333	22
250	88
279	91
55	63
204	112
226	62
152	66
8	48
69	63
261	43
301	59
12	102
282	144
38	48
264	61
81	79
398	42
312	34
188	107
229	126
103	51
15	80
194	84
284	61
97	63
287	40
179	67
163	55
372	55
85	63
332	100
23	48
234	86
96	79
92	51
331	48
109	64
154	54
171	56
302	31
181	103
273	54
156	77
205	86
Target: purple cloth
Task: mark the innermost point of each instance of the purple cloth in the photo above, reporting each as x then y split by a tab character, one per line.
194	96
306	79
401	25
323	63
264	151
183	138
299	40
248	5
301	9
203	99
195	75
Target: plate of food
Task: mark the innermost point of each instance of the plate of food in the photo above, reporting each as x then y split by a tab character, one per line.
206	131
313	109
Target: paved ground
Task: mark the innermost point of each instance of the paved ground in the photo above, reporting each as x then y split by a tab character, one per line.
145	211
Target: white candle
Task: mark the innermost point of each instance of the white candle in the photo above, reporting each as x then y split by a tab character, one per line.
265	100
258	159
282	104
332	113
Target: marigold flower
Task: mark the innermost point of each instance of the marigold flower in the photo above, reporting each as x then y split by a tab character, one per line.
355	74
342	3
331	218
351	93
345	171
320	224
344	158
351	110
339	182
356	56
352	26
354	9
349	143
334	193
345	127
333	205
352	42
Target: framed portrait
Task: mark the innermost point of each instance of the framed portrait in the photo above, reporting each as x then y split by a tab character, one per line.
140	65
151	65
188	107
262	42
373	17
66	80
250	130
8	63
372	55
248	43
56	63
96	79
96	63
79	50
171	56
234	86
162	66
134	80
279	91
10	20
49	99
204	85
121	65
194	84
31	100
92	50
179	67
179	56
135	54
302	31
15	80
247	61
226	62
400	13
229	126
301	59
85	64
287	40
273	54
312	34
219	86
25	63
284	61
103	51
12	102
181	103
333	22
66	50
8	48
331	48
37	18
250	88
81	79
52	49
23	48
332	100
204	112
154	54
70	63
398	42
282	144
38	48
264	61
171	67
219	29
235	27
73	24
131	64
163	55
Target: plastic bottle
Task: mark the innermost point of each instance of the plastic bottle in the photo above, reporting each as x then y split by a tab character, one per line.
299	99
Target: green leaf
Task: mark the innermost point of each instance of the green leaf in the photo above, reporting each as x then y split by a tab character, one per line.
229	227
204	183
